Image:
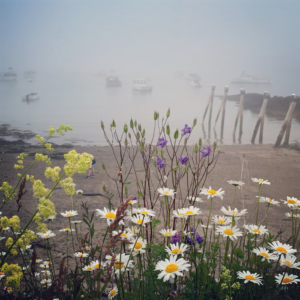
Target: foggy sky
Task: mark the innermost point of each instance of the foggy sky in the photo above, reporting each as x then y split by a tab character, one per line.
259	36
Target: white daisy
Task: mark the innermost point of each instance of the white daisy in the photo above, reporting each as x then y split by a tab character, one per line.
236	183
133	201
256	230
121	222
144	211
290	215
124	235
51	218
140	219
194	199
175	249
78	192
179	214
76	222
6	229
291	202
2	275
38	261
287	279
46	281
289	261
48	234
80	254
168	232
165	178
88	268
69	213
138	247
44	266
221	220
280	248
67	229
210	193
190	211
171	267
268	200
96	264
122	262
233	213
260	181
227	231
113	293
265	254
247	276
109	215
166	192
133	229
205	226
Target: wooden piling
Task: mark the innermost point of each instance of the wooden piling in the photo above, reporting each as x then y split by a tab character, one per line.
209	104
261	132
287	124
239	115
260	116
221	106
223	112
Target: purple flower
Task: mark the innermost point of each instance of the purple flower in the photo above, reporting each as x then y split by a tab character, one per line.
193	237
161	162
205	151
186	129
161	142
199	239
134	198
176	238
183	160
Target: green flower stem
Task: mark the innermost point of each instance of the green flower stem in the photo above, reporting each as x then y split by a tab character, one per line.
52	270
234	197
168	213
258	204
226	251
72	234
181	238
67	251
211	199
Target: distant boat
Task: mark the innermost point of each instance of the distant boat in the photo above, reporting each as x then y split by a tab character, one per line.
196	83
192	76
31	96
244	78
29	73
8	76
112	81
141	84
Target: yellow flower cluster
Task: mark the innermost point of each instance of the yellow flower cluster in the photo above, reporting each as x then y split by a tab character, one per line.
13	222
68	186
49	147
46	208
20	161
51	131
6	188
22	242
62	128
40	139
38	189
41	157
77	162
13	275
53	173
30	177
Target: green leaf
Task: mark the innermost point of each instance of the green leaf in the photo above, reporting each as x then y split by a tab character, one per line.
140	194
155	222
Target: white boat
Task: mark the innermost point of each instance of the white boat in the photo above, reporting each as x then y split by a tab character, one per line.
244	78
8	76
141	84
31	96
112	81
196	83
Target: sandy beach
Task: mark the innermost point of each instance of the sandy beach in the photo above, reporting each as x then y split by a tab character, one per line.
280	166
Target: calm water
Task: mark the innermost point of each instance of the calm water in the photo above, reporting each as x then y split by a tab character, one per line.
82	101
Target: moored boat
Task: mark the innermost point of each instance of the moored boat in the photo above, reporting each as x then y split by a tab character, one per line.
112	81
8	76
244	78
141	84
31	96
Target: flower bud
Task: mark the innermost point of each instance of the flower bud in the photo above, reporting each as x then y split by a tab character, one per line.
155	115
131	124
176	134
163	129
126	142
195	122
103	166
168	113
113	124
129	135
162	154
125	128
104	188
135	123
119	173
102	125
168	130
215	146
140	127
126	190
143	133
138	136
142	146
196	148
200	143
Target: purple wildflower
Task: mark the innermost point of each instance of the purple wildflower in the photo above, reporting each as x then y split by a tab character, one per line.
183	160
176	238
199	239
134	198
186	129
161	142
161	162
193	237
205	151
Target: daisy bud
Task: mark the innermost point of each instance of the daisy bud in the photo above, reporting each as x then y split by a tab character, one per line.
176	135
155	116
168	113
125	128
168	130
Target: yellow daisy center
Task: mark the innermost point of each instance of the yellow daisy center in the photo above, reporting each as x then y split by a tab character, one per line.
291	201
212	192
249	277
48	262
287	262
138	245
270	200
286	280
261	180
46	281
180	214
167	192
119	265
96	266
266	255
256	230
46	235
140	221
221	221
228	232
176	251
8	288
189	212
281	249
89	268
110	215
130	202
112	292
69	214
87	248
124	234
80	255
168	234
234	212
67	228
144	212
171	268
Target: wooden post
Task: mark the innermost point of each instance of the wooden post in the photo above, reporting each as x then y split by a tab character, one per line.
238	115
223	112
223	100
241	114
287	120
209	103
261	132
262	111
